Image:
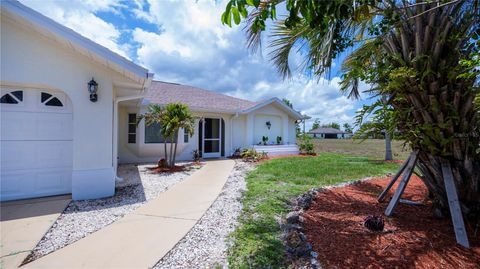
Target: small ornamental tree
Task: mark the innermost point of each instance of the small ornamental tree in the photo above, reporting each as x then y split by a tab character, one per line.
171	118
423	55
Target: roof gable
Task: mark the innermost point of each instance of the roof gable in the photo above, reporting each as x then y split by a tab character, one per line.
295	114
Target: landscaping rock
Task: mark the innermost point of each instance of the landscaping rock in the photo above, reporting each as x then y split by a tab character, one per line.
84	217
294	217
206	244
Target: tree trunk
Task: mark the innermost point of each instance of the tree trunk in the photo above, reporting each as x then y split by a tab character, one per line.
166	154
435	104
388	147
175	150
170	159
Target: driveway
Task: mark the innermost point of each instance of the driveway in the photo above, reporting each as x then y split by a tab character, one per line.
23	224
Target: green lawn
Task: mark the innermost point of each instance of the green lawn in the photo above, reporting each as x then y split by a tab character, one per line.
372	148
272	185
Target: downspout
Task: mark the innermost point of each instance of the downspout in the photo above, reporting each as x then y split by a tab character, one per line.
146	84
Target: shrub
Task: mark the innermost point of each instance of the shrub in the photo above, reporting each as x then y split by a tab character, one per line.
251	155
306	146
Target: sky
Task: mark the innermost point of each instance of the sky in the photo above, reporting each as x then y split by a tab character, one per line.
185	42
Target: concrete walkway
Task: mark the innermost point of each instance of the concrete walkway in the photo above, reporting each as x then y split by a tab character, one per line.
23	223
143	237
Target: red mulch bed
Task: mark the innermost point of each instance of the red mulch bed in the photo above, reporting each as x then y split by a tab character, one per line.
413	238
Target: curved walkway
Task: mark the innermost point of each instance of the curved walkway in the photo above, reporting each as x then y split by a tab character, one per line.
143	237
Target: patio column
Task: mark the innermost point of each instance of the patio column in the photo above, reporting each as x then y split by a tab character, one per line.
285	130
249	127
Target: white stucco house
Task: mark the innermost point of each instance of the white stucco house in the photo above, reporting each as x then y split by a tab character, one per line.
329	133
223	124
57	137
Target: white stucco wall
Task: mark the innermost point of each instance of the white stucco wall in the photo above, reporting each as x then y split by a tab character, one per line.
30	60
152	152
261	129
282	125
241	131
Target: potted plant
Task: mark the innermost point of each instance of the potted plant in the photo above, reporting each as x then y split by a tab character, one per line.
279	140
265	140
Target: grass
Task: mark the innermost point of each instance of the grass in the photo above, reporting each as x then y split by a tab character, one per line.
371	148
270	187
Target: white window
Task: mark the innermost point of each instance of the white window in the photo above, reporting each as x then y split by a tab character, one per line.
132	128
185	136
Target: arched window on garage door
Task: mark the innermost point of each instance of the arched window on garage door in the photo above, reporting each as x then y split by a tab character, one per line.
13	97
49	100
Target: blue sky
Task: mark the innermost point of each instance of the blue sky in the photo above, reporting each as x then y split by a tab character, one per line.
185	42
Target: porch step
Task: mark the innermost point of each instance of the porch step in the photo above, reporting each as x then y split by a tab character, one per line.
275	150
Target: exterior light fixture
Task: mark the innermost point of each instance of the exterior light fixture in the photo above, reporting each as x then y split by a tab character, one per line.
269	124
92	89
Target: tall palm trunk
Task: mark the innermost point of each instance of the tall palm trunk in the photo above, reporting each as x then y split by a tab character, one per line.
438	116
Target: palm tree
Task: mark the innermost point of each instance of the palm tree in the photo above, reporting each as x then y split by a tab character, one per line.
177	116
426	64
155	115
171	118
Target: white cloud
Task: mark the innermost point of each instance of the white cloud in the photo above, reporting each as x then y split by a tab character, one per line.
79	16
189	45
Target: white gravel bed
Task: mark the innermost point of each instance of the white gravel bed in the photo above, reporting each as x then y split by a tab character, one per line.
205	245
81	218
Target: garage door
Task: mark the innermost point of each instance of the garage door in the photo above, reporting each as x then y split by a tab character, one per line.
36	143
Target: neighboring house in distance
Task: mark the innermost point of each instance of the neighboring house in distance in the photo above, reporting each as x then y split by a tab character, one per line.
329	133
223	124
57	137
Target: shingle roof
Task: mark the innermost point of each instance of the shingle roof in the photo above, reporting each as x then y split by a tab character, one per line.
197	99
323	130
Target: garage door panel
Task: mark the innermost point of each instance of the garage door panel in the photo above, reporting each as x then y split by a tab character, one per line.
53	180
52	126
36	154
17	155
16	183
18	125
21	184
54	154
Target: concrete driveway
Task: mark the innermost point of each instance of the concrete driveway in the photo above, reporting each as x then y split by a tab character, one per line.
23	224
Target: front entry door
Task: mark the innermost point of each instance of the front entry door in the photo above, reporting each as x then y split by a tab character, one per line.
211	138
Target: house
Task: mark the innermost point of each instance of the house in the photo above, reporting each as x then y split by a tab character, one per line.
329	133
223	124
68	109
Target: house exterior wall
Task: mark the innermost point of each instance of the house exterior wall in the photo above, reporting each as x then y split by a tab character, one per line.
30	60
152	152
282	125
241	131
